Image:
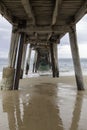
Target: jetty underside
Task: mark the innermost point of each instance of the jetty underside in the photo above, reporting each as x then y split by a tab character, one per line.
41	23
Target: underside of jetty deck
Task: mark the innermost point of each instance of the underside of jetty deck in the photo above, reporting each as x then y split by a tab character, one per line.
41	20
42	23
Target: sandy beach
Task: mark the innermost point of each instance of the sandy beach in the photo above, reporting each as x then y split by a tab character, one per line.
44	103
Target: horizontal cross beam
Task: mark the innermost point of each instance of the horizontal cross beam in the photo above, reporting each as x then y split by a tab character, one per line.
45	29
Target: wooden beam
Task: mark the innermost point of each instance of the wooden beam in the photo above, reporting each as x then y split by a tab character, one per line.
5	12
56	11
28	9
45	29
81	12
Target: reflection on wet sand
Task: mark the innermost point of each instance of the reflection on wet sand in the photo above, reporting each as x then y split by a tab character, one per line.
43	107
77	111
39	110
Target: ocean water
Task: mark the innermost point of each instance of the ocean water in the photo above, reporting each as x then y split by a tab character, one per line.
65	67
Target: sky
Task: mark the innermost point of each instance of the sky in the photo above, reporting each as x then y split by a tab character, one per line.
64	47
64	50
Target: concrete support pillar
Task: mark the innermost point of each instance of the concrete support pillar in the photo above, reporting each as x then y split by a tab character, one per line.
13	47
49	59
52	58
35	60
15	51
7	78
23	60
56	60
19	60
76	59
9	72
28	60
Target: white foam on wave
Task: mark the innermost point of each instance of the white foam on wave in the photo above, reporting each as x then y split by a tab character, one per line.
30	75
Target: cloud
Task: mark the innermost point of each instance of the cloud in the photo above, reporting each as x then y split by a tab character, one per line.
64	46
5	36
65	51
4	54
82	30
4	22
65	39
83	50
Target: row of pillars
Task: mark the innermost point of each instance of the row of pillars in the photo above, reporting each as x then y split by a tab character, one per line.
50	57
17	56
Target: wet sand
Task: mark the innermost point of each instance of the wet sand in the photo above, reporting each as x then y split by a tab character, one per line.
44	103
